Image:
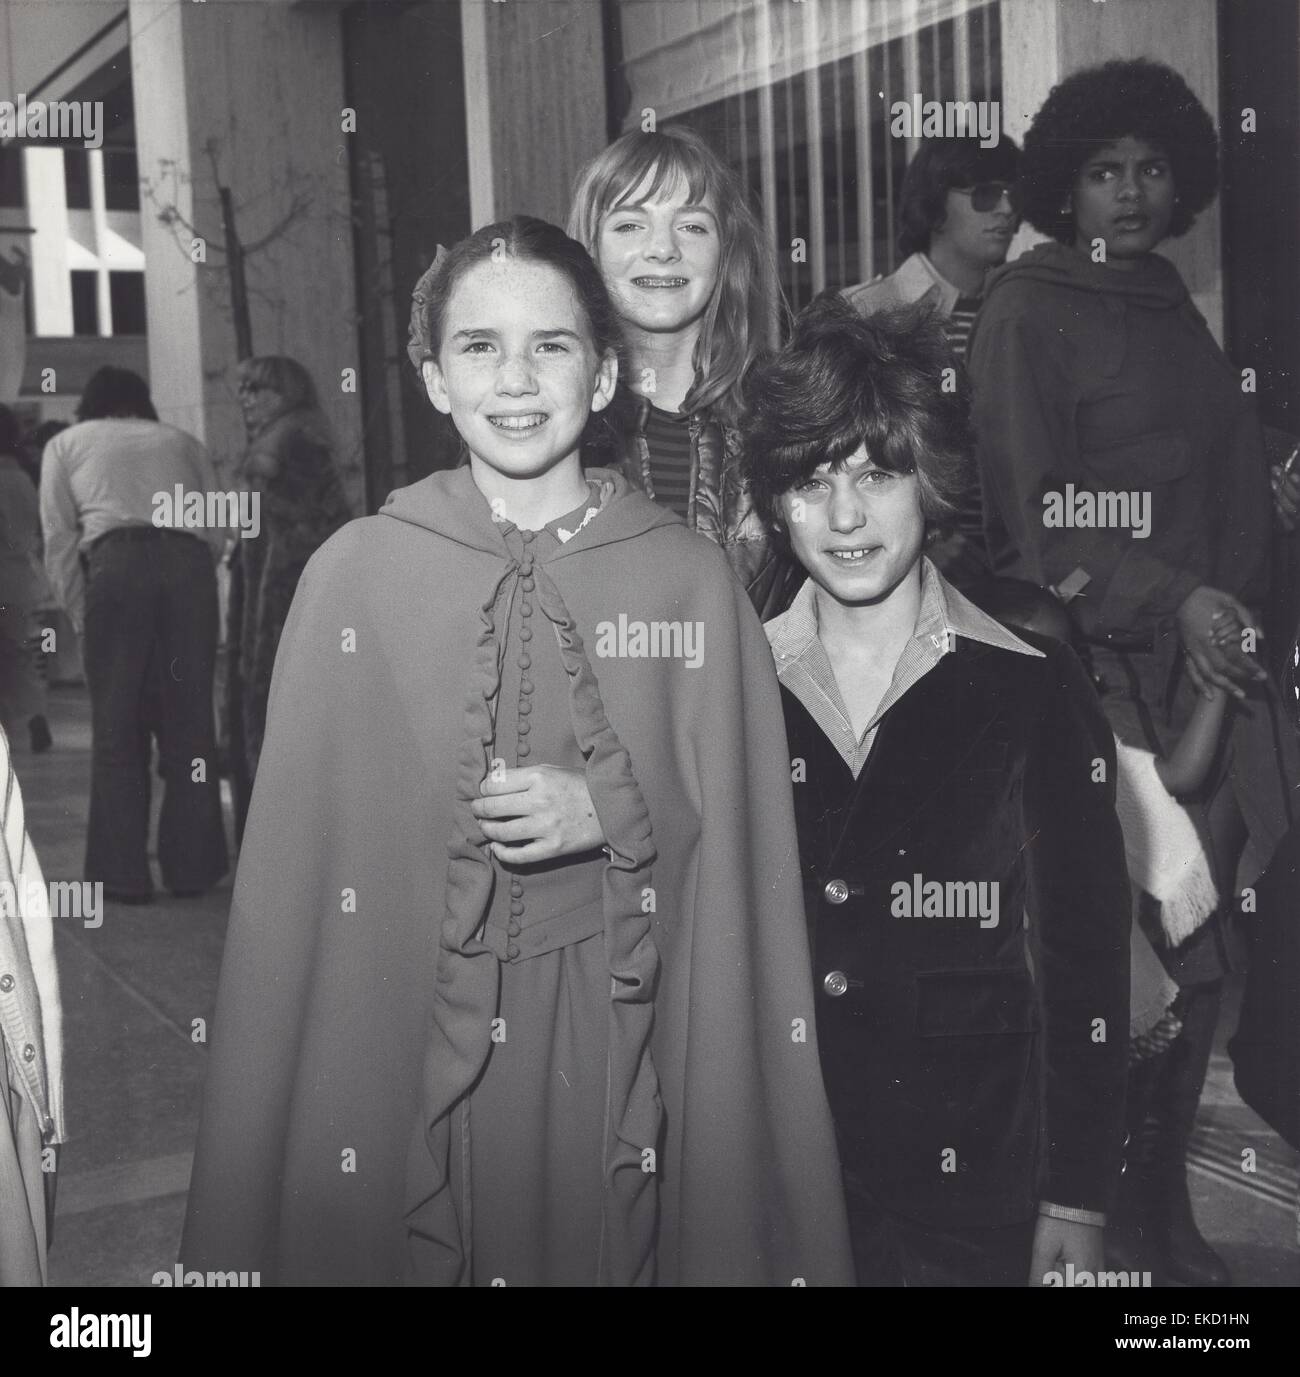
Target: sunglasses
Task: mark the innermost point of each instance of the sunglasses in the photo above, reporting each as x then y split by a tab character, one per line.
988	195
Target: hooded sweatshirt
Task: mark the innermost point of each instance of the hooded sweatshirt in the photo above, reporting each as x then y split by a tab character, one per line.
429	1066
1114	441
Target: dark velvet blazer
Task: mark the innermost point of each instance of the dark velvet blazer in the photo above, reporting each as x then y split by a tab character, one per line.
973	1071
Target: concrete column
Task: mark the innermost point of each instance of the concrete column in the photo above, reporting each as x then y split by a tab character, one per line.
252	95
99	233
47	209
535	103
478	113
172	294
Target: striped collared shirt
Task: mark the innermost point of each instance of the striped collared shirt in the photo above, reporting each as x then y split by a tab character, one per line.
803	666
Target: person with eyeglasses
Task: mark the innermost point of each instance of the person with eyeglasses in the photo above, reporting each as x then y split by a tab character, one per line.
958	212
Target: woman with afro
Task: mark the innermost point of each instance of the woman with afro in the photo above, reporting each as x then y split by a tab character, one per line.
1124	469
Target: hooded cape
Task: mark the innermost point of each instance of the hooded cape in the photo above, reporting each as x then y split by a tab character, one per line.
358	988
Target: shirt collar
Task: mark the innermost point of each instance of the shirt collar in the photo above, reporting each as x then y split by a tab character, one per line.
918	277
944	615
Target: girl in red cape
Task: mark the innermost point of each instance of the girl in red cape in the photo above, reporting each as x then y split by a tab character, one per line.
447	1060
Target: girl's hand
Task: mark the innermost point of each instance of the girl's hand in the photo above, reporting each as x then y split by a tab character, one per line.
1212	695
537	813
1210	623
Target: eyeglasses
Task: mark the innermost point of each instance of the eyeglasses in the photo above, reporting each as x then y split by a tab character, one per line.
988	195
251	388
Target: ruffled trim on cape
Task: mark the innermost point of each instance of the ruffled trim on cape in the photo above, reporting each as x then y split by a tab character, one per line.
468	976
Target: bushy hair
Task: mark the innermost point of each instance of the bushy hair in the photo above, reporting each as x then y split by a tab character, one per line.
114	392
846	380
744	305
1098	107
940	165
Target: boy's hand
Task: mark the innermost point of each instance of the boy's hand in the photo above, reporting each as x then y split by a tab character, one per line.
537	813
1058	1241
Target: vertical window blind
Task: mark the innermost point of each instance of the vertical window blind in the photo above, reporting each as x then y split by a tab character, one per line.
798	96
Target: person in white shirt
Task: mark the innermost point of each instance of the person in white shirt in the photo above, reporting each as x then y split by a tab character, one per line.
141	589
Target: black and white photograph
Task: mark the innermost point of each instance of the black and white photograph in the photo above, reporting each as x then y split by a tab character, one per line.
650	643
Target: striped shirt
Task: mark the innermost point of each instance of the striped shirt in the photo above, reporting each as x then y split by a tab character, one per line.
969	518
668	439
957	327
804	668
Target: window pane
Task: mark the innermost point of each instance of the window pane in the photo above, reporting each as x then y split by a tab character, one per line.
76	178
121	180
11	177
85	305
127	293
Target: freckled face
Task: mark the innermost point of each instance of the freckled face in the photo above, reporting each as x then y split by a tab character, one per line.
517	369
1123	195
660	259
859	531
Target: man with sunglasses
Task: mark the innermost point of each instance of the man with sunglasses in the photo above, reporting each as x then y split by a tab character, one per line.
957	214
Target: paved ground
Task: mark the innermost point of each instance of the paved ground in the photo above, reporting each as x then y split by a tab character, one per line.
133	987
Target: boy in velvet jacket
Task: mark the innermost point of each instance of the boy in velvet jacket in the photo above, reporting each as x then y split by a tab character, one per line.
963	865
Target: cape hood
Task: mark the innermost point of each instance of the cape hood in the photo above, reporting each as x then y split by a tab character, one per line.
450	504
1153	284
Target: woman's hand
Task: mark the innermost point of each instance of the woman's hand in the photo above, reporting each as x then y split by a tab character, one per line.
537	813
1210	623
